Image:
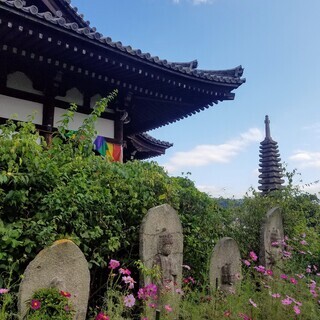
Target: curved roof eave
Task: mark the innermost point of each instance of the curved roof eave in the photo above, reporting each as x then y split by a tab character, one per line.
230	77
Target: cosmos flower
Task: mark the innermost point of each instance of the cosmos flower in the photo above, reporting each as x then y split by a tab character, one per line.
113	264
35	304
129	300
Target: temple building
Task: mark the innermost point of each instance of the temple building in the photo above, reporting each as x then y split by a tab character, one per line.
270	165
51	57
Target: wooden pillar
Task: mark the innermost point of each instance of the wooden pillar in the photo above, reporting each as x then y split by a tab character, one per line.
3	70
48	119
118	128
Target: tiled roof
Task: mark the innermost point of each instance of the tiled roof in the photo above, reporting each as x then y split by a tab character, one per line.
155	141
232	76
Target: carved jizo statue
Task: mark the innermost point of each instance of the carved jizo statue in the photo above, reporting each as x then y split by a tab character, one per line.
225	266
272	235
164	260
161	244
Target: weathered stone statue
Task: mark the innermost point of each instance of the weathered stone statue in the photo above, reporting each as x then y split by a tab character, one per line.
225	265
161	244
272	236
62	266
165	262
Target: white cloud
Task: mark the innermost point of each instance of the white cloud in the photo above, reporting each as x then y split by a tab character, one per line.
202	155
306	159
217	192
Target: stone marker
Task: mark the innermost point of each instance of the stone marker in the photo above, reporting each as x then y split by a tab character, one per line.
161	244
225	265
63	266
272	235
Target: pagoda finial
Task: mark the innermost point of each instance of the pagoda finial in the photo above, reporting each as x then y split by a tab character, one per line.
267	123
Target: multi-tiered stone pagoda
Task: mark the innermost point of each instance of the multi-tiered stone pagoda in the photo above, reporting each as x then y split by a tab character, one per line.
270	166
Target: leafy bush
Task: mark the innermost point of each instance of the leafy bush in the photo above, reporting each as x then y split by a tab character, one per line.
50	304
63	190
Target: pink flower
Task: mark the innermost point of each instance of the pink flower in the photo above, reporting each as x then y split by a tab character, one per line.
293	281
313	284
168	308
296	309
286	254
247	263
149	291
65	294
129	300
253	256
2	291
152	305
300	276
313	292
179	291
286	301
252	302
260	269
67	308
276	295
129	280
102	316
284	276
227	313
308	270
35	304
304	242
125	271
244	316
113	264
269	272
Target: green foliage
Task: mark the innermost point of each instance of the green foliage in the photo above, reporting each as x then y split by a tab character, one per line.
301	215
50	304
63	190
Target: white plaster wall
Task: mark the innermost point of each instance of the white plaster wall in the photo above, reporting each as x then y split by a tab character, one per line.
94	100
18	80
72	96
104	127
22	108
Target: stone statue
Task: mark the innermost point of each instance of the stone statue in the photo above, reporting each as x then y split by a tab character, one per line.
164	260
225	266
62	266
272	235
161	244
226	276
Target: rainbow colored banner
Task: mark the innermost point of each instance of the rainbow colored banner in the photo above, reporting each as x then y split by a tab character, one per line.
111	151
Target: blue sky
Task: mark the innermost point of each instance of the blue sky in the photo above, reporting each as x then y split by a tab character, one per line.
276	41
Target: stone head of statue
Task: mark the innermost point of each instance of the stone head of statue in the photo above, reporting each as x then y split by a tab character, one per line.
165	243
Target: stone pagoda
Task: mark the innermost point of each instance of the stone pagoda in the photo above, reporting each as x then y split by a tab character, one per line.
270	166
